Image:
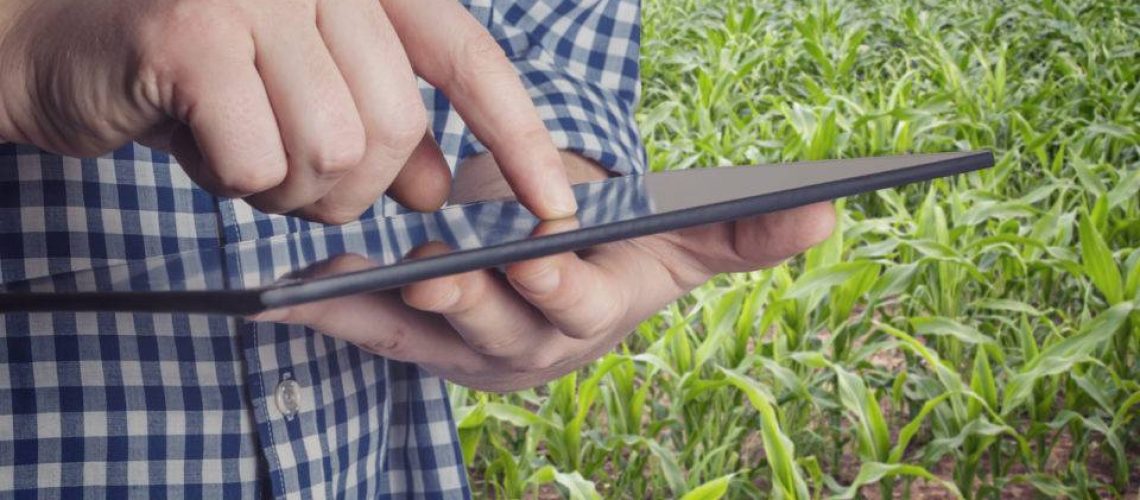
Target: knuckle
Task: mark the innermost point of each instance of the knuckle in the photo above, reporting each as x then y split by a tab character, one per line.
534	279
480	47
172	38
247	181
685	268
502	344
429	296
541	361
596	325
390	344
335	158
537	138
586	315
473	290
537	134
399	137
478	55
335	213
493	346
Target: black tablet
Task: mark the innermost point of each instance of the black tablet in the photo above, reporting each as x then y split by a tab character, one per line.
249	277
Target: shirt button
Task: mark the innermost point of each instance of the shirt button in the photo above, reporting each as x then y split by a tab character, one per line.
288	397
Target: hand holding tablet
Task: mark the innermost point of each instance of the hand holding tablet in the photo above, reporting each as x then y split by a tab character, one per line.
480	235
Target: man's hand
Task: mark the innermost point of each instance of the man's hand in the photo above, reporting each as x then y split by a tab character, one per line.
304	106
552	315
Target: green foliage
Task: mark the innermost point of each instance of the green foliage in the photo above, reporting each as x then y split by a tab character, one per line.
975	337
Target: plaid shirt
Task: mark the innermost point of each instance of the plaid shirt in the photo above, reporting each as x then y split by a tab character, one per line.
114	405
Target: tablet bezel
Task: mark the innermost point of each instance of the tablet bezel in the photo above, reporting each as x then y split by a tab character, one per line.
251	301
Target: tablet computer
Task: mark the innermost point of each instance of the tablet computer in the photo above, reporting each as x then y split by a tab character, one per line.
252	276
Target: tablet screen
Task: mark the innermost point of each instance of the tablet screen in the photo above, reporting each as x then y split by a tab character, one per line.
249	276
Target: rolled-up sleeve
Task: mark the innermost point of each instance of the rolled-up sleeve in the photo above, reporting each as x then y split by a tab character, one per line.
579	61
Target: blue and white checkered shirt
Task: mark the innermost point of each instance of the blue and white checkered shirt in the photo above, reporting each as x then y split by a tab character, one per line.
115	405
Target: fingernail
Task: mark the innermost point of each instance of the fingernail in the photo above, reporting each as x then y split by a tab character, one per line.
270	316
449	297
560	198
542	283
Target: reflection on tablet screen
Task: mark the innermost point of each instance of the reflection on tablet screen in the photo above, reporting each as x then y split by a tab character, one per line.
249	276
384	241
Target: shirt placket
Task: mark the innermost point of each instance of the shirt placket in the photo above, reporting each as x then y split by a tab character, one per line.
280	376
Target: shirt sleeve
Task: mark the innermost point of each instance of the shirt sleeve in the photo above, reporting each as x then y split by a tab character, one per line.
579	61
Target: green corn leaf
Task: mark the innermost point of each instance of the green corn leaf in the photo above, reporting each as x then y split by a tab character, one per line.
1126	189
667	460
543	475
1098	263
983	384
997	210
934	250
844	297
821	280
788	379
1124	414
878	249
979	427
1061	356
811	359
1087	176
871	428
894	281
1095	424
1026	342
578	487
656	362
873	472
516	415
1132	284
469	426
787	481
471	416
950	380
851	44
951	328
897	388
911	428
1049	485
718	326
1006	305
711	490
1096	388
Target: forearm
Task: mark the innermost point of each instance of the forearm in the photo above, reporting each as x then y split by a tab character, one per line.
479	178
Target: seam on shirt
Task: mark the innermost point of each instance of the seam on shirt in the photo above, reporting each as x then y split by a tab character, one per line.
257	383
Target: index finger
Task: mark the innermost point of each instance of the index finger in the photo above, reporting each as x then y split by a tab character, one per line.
456	54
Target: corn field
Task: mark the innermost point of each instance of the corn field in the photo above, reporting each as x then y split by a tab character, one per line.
974	337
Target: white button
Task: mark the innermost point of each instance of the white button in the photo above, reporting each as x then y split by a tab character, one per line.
288	397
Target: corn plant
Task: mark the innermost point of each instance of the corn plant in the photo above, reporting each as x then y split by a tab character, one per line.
973	337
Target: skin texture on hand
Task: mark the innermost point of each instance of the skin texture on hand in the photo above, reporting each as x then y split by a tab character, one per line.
308	107
549	316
